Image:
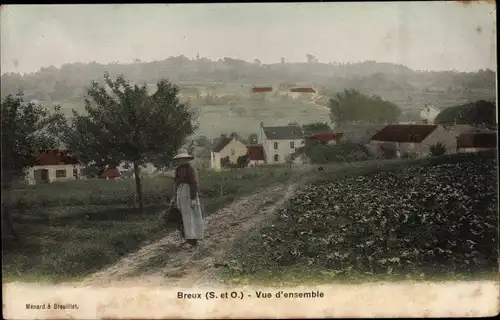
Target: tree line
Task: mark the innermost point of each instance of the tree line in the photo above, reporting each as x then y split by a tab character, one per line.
69	82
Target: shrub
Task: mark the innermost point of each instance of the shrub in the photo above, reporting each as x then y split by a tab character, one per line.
388	151
437	149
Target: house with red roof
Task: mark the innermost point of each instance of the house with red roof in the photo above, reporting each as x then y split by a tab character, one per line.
302	92
54	165
110	173
476	142
412	139
256	155
329	137
262	89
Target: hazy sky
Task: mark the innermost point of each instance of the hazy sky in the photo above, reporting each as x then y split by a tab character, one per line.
421	35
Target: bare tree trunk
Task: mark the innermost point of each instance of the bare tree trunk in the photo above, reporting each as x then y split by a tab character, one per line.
138	185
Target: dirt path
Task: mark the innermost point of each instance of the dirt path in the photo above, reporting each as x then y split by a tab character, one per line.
166	263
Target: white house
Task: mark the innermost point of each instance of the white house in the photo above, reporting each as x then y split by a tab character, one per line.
429	113
230	148
280	142
54	165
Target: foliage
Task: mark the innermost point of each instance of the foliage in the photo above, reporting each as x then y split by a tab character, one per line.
27	129
437	149
253	138
321	153
353	106
202	141
68	82
388	150
475	113
316	127
125	123
243	161
438	218
225	162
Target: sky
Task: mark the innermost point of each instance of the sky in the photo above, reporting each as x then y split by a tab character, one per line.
421	35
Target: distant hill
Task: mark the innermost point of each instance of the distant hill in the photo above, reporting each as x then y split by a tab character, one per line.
68	83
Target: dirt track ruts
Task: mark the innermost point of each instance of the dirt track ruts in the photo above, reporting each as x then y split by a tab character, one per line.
166	263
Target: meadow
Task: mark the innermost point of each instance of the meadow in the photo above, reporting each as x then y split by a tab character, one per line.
71	229
426	219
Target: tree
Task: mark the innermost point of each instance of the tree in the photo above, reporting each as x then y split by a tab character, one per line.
282	59
125	123
243	161
202	141
475	113
27	129
257	62
316	127
253	138
353	106
310	58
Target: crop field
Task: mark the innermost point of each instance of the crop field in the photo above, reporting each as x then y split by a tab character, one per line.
436	220
71	229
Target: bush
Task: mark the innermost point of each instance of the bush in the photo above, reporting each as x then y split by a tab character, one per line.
388	151
320	153
437	149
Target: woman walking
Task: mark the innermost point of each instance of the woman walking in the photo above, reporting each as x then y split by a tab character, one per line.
186	199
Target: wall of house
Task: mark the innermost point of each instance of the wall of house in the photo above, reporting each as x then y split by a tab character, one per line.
471	150
52	173
253	163
284	150
215	160
429	114
233	150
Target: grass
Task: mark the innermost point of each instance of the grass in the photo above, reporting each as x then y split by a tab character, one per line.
358	222
72	229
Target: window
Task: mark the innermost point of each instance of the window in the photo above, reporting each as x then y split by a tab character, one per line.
60	173
233	152
75	173
276	158
275	146
292	144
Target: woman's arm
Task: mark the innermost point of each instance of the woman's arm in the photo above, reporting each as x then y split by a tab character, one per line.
194	183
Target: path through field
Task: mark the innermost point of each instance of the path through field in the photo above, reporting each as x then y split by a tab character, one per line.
166	263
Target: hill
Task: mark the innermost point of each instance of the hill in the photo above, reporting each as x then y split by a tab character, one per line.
221	89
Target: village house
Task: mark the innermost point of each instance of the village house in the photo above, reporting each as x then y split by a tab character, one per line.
110	174
330	138
256	155
476	142
279	143
229	147
413	139
54	165
302	93
429	113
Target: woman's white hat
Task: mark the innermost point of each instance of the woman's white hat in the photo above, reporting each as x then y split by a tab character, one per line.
183	154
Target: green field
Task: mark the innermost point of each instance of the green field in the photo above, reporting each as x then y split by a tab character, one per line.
428	219
245	116
71	229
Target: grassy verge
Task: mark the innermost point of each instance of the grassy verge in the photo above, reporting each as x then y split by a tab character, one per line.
72	229
428	219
